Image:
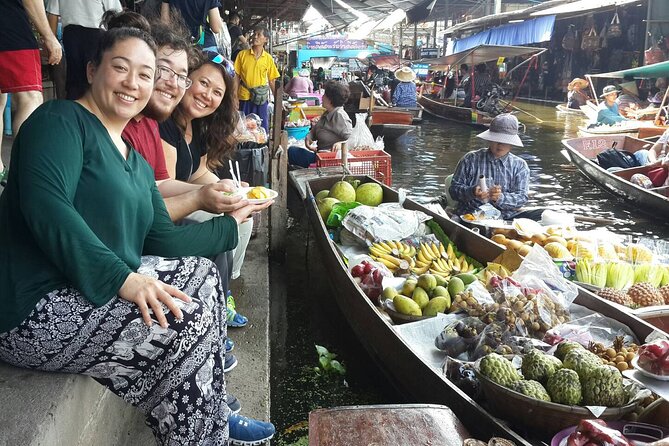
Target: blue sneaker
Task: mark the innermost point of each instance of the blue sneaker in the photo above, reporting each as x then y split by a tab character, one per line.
230	300
230	363
235	319
249	432
229	345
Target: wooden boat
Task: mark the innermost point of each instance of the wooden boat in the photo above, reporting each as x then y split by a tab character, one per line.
411	374
635	129
582	152
390	123
562	108
399	424
451	110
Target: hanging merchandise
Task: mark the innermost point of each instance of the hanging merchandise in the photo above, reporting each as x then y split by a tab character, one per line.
615	30
653	55
569	39
590	41
603	43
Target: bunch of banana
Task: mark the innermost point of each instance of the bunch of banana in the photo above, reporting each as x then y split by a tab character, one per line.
395	255
436	259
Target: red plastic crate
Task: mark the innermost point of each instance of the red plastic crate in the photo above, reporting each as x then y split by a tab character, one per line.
374	163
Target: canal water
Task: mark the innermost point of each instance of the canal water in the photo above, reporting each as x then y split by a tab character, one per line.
305	314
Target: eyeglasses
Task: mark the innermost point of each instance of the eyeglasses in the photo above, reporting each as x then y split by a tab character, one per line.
167	73
222	61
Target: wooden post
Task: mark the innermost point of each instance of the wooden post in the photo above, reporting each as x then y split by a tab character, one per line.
278	214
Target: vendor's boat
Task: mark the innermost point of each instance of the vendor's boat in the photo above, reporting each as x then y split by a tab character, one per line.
410	372
391	123
450	109
635	129
563	108
583	151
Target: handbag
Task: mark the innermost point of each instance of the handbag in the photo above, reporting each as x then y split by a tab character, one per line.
615	30
259	95
569	39
590	41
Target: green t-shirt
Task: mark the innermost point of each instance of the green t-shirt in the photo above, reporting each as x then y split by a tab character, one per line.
75	213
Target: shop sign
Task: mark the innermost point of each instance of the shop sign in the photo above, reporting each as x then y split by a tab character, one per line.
420	68
336	44
429	52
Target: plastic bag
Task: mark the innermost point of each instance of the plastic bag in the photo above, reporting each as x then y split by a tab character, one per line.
592	328
369	275
241	132
460	336
339	211
498	338
387	221
223	42
360	136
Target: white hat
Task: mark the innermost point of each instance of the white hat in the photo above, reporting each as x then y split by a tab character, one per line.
303	72
503	129
405	74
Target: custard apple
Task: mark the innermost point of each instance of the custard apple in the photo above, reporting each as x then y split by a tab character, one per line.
581	361
531	388
539	366
564	387
565	347
604	387
499	369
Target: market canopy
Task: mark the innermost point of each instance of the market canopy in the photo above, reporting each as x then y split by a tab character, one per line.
525	33
340	17
648	71
480	54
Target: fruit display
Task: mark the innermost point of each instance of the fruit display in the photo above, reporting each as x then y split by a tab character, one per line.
370	279
539	367
403	259
618	355
499	369
531	388
654	358
564	387
603	386
426	295
638	295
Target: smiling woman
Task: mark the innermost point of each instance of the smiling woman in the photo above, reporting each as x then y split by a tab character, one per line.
79	210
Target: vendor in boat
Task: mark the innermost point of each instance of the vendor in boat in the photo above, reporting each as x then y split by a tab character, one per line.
577	97
300	84
507	176
628	101
608	112
404	94
333	126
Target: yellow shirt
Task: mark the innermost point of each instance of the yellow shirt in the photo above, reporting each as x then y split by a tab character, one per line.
255	72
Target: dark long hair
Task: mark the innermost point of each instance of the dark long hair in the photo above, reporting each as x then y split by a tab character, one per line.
216	130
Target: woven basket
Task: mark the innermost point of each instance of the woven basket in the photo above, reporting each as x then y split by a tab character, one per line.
540	416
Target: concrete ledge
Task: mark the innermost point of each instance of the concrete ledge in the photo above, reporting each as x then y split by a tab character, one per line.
56	409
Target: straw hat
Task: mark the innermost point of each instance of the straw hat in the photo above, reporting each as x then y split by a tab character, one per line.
405	74
503	129
608	90
303	72
577	82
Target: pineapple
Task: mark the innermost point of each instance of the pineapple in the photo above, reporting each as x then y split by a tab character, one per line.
644	295
664	292
616	296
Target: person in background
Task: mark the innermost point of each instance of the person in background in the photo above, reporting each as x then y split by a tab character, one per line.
58	72
607	111
257	71
628	101
81	21
576	97
237	37
320	78
404	94
90	265
482	82
20	64
333	126
202	17
300	84
507	176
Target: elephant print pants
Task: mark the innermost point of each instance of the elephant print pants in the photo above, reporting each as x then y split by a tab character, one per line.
174	375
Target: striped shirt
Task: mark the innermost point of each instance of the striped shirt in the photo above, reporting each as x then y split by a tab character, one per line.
510	172
405	94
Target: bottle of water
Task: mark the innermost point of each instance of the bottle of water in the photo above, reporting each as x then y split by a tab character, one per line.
483	186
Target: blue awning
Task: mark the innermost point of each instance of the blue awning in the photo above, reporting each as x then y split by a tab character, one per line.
525	33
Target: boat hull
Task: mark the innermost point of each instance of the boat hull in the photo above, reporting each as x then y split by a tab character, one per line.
562	108
405	369
582	150
463	115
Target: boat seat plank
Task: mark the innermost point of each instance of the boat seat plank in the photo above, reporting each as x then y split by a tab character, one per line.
396	424
627	173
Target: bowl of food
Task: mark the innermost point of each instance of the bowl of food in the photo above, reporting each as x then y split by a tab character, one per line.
256	194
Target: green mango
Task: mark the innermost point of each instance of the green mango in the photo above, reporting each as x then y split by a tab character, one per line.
455	287
427	281
408	287
420	297
441	280
467	278
322	194
440	291
406	306
389	292
436	305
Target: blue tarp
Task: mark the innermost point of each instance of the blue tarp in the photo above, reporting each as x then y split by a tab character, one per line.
525	33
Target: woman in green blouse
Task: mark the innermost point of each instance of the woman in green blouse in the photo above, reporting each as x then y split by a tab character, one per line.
86	285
